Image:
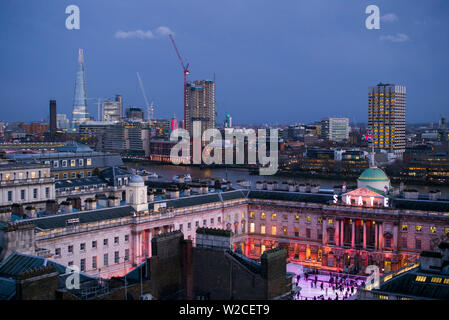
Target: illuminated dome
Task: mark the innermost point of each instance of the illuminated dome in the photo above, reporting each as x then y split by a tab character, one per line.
375	178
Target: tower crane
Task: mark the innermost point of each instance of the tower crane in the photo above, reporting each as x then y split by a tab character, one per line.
98	103
150	108
185	69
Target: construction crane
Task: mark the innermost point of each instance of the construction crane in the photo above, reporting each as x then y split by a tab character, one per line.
98	103
186	71
150	108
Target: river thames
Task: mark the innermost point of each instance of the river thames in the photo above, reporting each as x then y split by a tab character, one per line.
234	174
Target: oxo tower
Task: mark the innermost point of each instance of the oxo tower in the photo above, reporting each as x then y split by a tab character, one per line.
80	112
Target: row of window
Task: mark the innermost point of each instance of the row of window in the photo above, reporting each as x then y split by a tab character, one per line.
72	175
23	175
419	229
93	245
263	215
197	224
418	244
10	194
94	265
71	162
284	229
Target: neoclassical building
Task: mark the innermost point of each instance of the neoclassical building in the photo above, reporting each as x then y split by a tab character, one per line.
341	229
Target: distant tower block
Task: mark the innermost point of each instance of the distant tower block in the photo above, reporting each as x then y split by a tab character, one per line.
173	123
80	112
386	117
53	123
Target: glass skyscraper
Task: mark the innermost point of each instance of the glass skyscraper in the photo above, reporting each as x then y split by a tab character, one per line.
80	112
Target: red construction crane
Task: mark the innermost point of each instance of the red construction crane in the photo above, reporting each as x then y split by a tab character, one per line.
186	72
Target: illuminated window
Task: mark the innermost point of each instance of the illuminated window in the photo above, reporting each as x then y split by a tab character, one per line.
251	227
297	217
404	227
284	229
433	229
243	214
285	217
436	280
273	216
273	230
72	163
252	214
330	221
446	231
308	219
262	229
418	228
320	220
296	232
89	162
262	215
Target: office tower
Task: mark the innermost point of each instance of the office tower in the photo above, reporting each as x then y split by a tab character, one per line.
53	124
119	100
334	129
200	104
173	123
112	110
134	114
80	112
62	122
386	117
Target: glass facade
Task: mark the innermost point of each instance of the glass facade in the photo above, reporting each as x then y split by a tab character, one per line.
80	112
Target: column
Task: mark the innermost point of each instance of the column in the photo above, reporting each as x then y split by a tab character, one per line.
337	232
150	236
342	232
353	234
137	246
364	234
395	238
376	236
324	231
381	236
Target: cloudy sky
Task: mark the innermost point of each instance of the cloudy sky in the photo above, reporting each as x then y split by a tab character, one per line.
284	61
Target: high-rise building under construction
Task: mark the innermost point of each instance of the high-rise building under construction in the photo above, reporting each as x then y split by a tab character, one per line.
200	104
386	117
80	112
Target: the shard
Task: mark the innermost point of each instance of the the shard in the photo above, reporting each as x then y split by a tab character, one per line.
80	112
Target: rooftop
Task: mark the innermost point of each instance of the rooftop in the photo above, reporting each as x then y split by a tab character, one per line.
60	220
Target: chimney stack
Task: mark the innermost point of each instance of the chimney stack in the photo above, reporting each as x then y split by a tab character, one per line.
17	209
66	207
51	206
53	125
30	212
91	204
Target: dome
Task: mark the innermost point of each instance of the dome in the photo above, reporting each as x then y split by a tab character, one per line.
373	174
374	178
136	179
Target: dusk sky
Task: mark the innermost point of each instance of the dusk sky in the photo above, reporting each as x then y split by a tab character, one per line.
275	61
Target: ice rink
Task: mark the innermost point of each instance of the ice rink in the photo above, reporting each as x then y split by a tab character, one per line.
308	291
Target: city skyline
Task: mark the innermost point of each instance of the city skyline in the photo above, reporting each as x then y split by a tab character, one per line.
294	60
